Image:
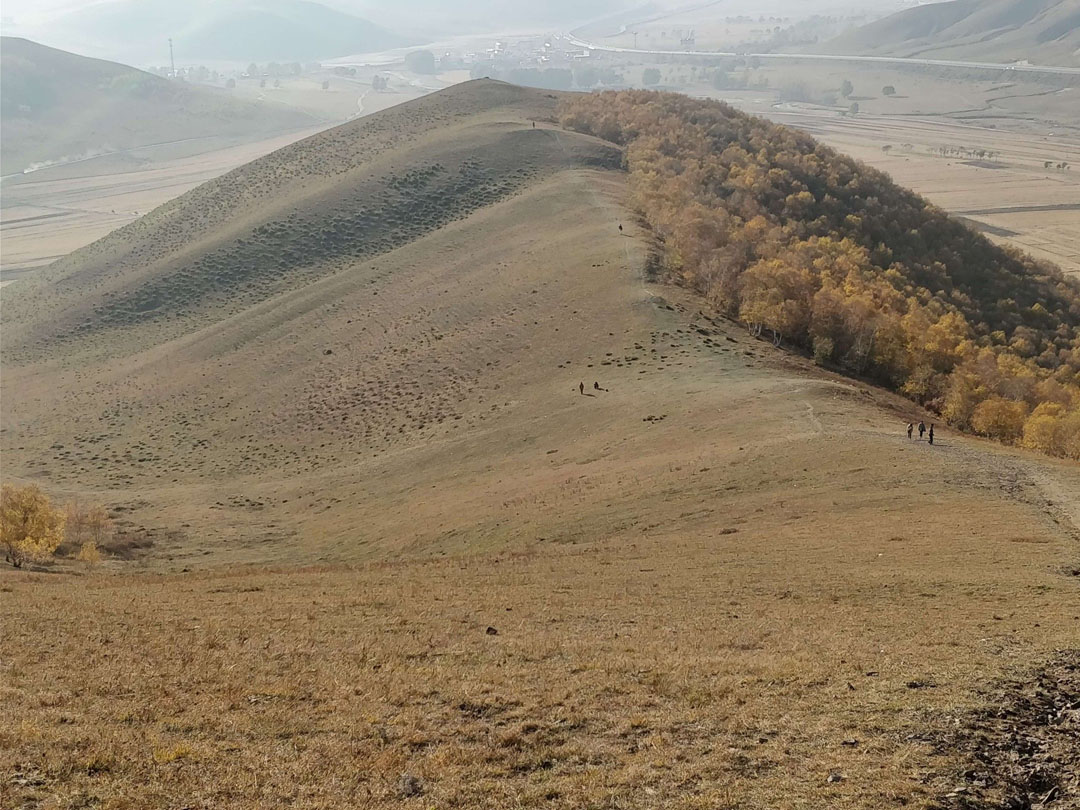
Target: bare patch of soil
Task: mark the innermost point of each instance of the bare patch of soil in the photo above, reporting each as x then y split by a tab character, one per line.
1023	750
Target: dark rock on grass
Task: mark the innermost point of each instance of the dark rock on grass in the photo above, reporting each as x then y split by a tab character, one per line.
918	684
409	786
1022	748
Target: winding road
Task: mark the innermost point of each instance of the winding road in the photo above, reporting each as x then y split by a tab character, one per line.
895	60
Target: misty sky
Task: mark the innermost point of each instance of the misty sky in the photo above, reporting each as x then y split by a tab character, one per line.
33	11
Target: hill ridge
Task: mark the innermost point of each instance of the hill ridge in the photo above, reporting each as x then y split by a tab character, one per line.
322	202
1037	31
57	105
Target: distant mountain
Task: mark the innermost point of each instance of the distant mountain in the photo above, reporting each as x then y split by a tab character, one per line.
222	30
55	105
1040	31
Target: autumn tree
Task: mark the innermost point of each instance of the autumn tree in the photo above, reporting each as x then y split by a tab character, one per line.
778	297
99	525
1000	418
30	527
1043	429
87	527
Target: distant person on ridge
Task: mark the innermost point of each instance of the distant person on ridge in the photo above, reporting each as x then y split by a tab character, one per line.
581	388
922	429
931	434
910	427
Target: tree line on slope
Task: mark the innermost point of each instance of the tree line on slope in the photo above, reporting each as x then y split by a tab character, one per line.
817	249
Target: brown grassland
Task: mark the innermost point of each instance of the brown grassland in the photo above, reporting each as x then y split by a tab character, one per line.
381	552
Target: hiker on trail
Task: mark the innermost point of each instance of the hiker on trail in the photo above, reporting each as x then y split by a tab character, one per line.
596	387
931	434
910	427
922	430
620	227
581	388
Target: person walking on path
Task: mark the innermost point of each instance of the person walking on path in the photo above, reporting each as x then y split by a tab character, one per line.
910	427
931	434
922	430
581	388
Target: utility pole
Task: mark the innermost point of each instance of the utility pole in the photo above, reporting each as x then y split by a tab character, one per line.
172	61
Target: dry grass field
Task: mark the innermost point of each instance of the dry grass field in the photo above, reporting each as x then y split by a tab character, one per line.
382	552
345	98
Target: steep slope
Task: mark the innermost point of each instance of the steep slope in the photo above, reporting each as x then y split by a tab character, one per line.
302	213
717	575
1039	31
255	262
56	105
223	30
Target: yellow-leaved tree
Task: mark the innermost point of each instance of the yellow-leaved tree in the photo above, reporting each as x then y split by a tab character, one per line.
30	527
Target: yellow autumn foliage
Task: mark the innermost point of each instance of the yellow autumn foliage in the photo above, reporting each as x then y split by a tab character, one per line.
813	249
30	527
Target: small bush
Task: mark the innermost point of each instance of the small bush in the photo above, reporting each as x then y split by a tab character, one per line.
89	553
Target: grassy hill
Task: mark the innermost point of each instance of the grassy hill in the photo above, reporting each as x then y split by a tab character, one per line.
1039	31
57	105
223	30
371	528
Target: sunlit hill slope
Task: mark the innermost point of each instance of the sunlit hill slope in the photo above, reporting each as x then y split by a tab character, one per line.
60	106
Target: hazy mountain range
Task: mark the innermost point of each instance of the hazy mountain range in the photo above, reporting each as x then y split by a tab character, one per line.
216	31
59	106
1039	31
